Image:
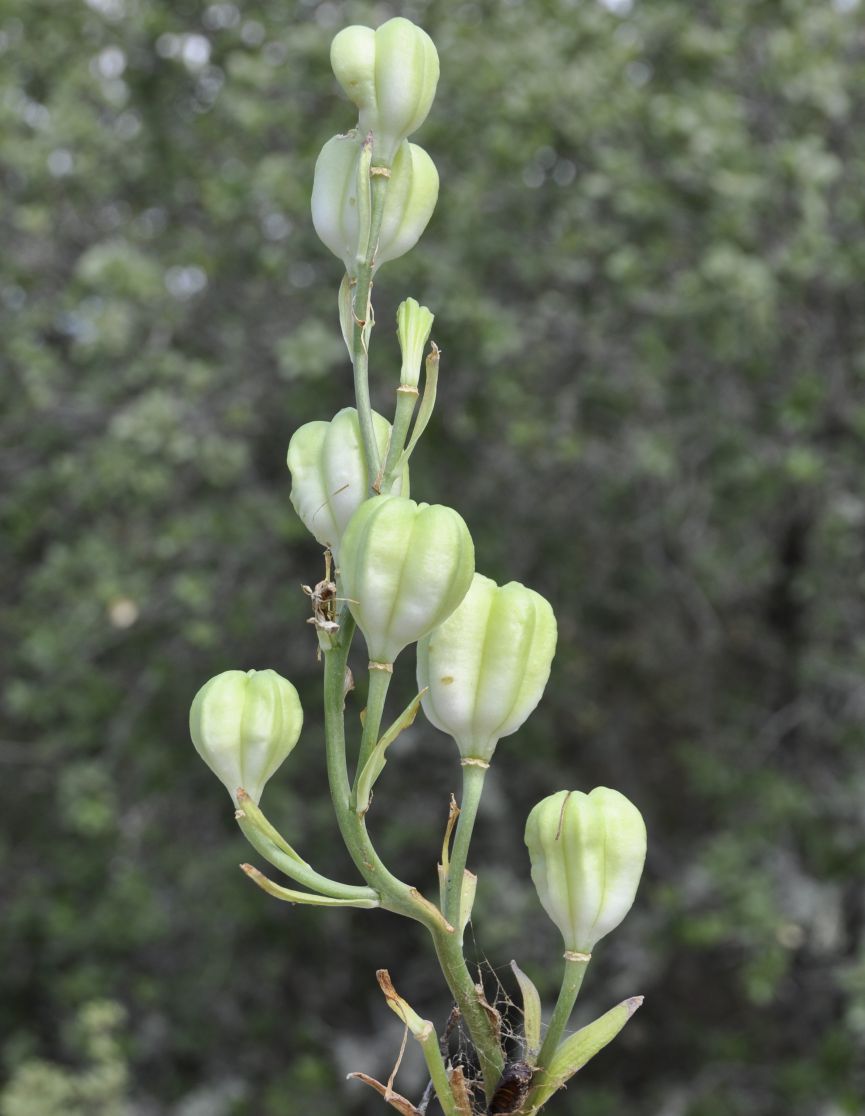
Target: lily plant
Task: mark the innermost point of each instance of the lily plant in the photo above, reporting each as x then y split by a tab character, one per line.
397	574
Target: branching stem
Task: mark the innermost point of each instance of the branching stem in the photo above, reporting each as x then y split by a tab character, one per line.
396	895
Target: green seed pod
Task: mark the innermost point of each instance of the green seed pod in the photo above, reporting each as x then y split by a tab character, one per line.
243	725
411	198
329	473
487	665
391	76
587	853
405	568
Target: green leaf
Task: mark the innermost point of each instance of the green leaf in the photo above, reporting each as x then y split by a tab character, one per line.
375	764
289	896
579	1049
531	1013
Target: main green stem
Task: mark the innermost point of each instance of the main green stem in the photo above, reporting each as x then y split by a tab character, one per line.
473	785
572	980
396	895
362	310
479	1020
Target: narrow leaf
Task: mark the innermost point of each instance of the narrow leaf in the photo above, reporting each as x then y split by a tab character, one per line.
443	884
377	759
453	814
531	1013
579	1049
427	403
306	897
467	898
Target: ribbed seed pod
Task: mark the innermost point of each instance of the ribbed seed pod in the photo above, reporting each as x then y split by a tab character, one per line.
411	198
487	665
587	853
405	567
329	473
243	725
390	75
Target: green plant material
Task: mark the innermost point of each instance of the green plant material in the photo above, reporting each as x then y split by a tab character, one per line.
390	75
342	209
377	759
468	892
288	895
329	473
244	724
424	1032
267	841
572	981
405	567
587	853
647	270
531	1013
577	1050
427	403
413	323
485	668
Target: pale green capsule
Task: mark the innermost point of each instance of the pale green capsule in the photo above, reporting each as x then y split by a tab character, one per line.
329	473
486	666
243	725
413	325
405	567
411	198
390	75
587	853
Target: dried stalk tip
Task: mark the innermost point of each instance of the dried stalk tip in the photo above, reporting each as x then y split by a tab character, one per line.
405	1107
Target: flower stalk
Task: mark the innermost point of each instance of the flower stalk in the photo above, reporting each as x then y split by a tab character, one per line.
362	318
404	573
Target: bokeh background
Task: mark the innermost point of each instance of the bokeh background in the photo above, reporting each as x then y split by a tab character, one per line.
648	270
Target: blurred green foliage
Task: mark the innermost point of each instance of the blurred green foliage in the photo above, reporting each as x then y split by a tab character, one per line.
38	1088
648	271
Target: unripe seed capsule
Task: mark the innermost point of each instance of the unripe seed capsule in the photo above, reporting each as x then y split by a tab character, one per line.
411	197
405	567
390	75
329	473
486	666
243	725
587	853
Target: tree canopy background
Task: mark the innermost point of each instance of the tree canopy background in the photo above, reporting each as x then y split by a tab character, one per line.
648	270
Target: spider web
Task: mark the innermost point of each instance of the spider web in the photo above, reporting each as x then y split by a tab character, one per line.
455	1041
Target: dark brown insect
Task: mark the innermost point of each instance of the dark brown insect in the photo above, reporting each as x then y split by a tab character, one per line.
511	1090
